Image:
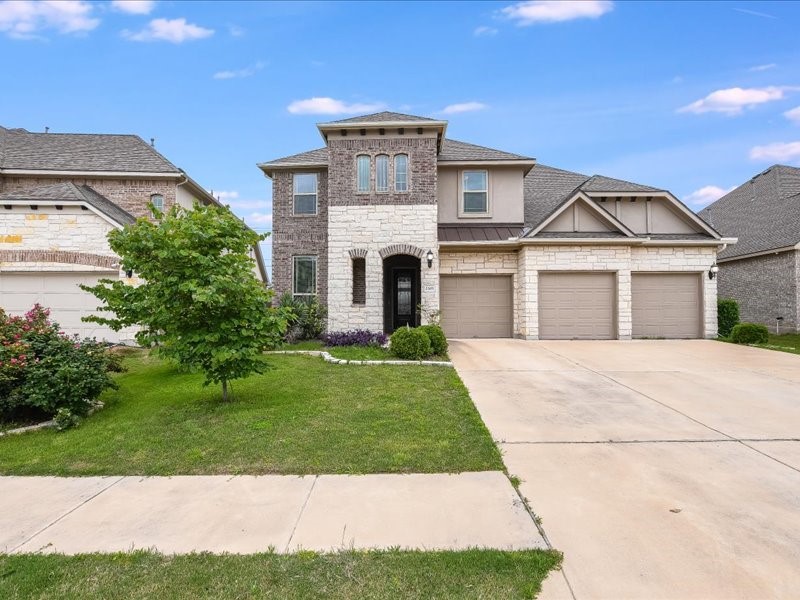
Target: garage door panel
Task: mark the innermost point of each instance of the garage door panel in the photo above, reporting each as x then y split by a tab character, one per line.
476	306
666	305
577	305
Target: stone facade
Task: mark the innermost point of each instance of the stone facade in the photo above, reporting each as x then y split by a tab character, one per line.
374	228
765	287
132	195
298	235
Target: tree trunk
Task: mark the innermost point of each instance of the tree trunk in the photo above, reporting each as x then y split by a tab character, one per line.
224	390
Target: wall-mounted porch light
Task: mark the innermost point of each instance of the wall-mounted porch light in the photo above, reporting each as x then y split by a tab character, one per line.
429	257
712	272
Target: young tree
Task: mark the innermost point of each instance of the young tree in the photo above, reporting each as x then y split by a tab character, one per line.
199	301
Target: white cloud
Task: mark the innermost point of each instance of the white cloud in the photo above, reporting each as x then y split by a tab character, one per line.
259	219
176	31
555	11
793	115
779	151
331	106
463	107
236	31
134	7
706	195
733	101
24	19
224	196
484	31
755	13
766	67
239	73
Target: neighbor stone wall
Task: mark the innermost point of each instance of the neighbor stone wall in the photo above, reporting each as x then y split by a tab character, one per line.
132	195
298	235
71	229
374	228
765	287
486	263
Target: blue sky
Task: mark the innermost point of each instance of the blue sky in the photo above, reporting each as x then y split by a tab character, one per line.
692	97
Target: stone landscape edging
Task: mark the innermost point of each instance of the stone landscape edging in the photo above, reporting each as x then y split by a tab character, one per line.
327	357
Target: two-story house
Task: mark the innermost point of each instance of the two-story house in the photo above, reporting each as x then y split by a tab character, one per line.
391	221
60	196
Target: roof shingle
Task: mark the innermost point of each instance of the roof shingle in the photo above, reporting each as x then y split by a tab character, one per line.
462	151
381	117
69	192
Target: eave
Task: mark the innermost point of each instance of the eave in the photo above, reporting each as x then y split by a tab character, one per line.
92	174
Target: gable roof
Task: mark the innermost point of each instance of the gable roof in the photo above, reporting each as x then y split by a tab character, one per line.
312	158
24	150
69	192
382	117
454	150
764	212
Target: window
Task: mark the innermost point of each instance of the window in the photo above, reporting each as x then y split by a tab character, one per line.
305	193
157	200
476	192
304	276
359	281
382	173
401	173
363	173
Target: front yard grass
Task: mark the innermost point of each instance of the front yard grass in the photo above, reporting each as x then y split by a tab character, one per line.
303	416
786	342
363	575
351	352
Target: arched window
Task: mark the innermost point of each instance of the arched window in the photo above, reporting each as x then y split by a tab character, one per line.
401	173
382	173
157	200
362	163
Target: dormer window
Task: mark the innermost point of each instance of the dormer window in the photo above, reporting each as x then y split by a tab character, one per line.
305	193
157	200
362	166
475	193
382	173
401	173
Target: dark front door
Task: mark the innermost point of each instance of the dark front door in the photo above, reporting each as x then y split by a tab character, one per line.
403	295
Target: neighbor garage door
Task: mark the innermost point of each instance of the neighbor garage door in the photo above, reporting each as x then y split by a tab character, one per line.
577	306
60	293
476	306
666	305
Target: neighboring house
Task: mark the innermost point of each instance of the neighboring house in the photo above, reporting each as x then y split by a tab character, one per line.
391	215
762	271
60	196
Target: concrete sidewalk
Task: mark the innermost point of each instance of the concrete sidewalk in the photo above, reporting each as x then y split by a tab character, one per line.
247	514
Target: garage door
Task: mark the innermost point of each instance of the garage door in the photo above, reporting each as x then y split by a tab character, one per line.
666	305
476	306
60	293
577	306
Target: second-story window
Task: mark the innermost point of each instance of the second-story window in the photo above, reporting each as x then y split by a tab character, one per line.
305	193
475	192
382	173
362	163
157	200
401	173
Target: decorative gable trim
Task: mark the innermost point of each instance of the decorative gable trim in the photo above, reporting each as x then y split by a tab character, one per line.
587	202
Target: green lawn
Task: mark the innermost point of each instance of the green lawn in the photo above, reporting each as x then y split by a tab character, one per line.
303	416
787	342
363	575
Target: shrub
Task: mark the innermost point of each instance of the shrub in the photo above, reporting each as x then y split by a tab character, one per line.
356	337
410	344
437	338
307	320
42	370
750	333
727	316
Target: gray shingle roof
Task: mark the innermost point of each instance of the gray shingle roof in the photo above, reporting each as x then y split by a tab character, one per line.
763	213
462	151
69	192
545	189
20	149
312	157
380	117
600	183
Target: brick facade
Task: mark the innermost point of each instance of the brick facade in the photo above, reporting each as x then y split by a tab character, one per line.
298	235
765	287
132	195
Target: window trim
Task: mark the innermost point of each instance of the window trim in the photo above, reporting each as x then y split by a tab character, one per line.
394	174
315	194
314	260
387	189
462	213
155	195
369	174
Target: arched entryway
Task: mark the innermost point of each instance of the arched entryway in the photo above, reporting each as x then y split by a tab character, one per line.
401	291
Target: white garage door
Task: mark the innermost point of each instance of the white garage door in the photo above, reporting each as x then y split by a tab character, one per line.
476	306
577	306
666	305
60	293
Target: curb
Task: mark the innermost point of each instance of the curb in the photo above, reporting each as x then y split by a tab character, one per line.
342	361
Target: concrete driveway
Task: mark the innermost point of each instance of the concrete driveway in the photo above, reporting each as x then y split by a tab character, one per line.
662	469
